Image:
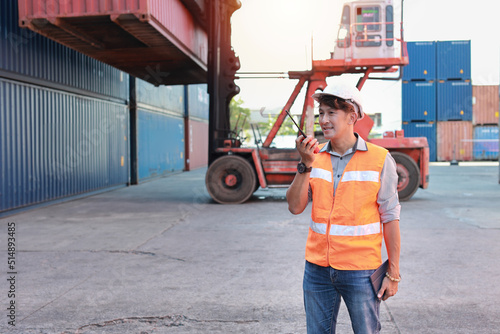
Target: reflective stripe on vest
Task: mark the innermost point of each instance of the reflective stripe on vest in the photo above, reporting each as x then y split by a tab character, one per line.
369	176
346	230
321	174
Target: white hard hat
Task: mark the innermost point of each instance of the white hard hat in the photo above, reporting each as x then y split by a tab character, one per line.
348	93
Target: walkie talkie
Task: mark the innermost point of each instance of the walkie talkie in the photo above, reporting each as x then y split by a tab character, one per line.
316	150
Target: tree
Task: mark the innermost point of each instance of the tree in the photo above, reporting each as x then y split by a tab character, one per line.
239	118
240	122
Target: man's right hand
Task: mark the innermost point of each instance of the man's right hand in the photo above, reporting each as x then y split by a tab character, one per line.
307	147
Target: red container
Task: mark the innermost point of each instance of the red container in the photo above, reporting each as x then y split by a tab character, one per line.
485	105
196	134
454	141
159	41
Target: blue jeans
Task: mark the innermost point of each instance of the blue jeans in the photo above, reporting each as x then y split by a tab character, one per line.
323	288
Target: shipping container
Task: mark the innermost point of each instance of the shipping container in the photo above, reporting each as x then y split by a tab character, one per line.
454	100
485	105
160	144
485	145
167	98
198	100
196	143
453	60
30	57
454	141
422	65
419	101
55	144
159	41
423	129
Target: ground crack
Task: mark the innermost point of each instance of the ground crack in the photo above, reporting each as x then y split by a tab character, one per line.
156	321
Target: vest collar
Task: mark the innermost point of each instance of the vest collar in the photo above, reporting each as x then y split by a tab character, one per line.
359	146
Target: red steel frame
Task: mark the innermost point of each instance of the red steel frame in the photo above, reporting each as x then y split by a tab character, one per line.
280	171
278	166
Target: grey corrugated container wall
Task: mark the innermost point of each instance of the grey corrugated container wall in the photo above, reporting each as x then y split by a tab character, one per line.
55	144
198	101
170	99
26	53
160	142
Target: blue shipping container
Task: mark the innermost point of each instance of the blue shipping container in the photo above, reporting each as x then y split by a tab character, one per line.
198	101
453	60
160	144
35	57
422	65
423	129
166	98
419	101
485	145
55	144
454	100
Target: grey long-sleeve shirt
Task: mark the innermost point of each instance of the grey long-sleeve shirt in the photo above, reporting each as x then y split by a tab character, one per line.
387	199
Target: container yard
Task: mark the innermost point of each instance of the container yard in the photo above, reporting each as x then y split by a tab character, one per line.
131	200
440	102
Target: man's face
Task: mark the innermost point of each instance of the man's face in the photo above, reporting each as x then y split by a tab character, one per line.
335	123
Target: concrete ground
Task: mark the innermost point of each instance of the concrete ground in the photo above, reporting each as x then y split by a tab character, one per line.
162	257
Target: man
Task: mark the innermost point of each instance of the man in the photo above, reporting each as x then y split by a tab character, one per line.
353	188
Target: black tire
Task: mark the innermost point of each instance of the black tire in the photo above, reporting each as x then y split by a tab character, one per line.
231	179
408	175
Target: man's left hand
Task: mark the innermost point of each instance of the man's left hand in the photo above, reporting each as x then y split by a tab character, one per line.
388	289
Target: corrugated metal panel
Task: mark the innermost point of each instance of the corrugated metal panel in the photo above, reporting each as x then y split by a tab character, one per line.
485	104
454	100
169	98
156	40
419	101
423	129
198	101
160	144
486	142
422	66
174	16
56	144
453	60
197	146
25	52
454	141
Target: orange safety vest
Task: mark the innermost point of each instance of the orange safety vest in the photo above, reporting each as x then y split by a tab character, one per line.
345	231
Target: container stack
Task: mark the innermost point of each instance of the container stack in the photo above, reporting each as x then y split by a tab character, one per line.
485	109
437	98
454	101
419	99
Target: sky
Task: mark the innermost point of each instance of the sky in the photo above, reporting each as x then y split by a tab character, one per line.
283	35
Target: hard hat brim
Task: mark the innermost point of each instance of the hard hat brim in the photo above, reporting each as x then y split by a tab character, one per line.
356	106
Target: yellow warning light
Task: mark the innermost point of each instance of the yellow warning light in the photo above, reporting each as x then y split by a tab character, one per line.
461	71
425	71
425	112
461	112
122	161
